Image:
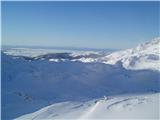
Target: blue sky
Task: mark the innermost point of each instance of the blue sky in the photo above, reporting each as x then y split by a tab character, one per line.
79	24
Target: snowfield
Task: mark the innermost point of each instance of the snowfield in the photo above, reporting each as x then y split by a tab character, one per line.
72	83
114	107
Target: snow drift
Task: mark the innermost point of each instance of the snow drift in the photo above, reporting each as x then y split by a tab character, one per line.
115	107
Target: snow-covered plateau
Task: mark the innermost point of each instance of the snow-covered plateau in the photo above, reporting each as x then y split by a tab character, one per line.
47	84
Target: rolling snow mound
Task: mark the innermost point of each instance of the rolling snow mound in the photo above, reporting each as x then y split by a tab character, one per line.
115	107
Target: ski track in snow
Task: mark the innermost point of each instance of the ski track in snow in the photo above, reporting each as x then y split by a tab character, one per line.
89	112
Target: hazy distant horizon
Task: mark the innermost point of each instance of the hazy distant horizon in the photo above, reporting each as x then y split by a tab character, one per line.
58	48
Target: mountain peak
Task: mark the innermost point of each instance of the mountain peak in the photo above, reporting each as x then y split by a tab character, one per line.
144	56
153	43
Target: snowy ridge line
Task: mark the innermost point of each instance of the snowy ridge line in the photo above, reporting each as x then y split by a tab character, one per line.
144	56
34	52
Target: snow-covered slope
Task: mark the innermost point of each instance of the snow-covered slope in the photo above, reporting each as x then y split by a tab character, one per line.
33	81
144	56
121	107
36	84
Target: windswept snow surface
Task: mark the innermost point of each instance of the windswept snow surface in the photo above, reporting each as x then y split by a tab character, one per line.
144	56
33	80
115	107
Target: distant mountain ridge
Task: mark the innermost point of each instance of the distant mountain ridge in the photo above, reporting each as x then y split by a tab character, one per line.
144	56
